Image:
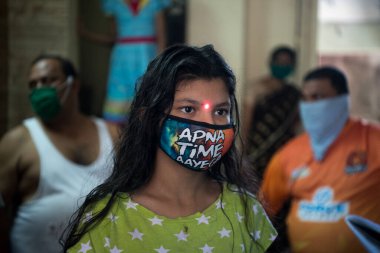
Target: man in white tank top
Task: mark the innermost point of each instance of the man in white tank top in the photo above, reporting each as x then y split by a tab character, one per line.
50	162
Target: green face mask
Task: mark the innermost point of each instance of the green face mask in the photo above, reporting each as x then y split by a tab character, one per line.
281	71
45	102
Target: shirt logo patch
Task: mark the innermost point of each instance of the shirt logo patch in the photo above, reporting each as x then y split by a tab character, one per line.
322	208
300	172
356	162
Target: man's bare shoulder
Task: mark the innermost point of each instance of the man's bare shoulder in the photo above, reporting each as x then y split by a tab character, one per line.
114	131
15	145
14	138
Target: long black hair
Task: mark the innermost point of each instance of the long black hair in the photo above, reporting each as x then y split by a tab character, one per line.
135	153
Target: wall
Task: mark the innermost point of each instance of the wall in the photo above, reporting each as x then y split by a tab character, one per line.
221	23
3	66
35	27
94	57
272	23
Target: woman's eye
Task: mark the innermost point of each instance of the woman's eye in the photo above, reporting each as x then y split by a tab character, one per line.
222	112
187	109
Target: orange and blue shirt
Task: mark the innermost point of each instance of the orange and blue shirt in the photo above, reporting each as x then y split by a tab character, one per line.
322	193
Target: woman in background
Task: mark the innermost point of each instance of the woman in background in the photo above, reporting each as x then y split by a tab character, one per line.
137	35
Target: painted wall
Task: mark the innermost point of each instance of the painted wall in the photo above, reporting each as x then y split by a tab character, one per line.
280	22
270	23
221	23
35	27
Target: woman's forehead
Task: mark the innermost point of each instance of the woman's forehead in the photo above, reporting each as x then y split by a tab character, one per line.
199	89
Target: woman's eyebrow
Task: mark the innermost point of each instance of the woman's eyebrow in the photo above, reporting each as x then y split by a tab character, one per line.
227	103
187	100
195	102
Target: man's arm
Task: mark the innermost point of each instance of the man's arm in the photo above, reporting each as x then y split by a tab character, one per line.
274	191
9	161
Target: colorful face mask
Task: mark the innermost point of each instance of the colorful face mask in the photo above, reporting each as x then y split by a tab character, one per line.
45	101
323	121
281	71
195	145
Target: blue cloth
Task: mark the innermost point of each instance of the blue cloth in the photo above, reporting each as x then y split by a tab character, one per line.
323	120
368	232
129	60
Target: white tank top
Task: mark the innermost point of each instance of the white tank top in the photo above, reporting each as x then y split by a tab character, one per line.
62	187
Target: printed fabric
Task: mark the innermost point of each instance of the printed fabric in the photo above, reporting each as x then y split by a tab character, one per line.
129	60
193	144
274	120
323	193
130	227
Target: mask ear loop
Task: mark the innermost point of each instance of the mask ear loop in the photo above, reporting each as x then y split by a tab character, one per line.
69	82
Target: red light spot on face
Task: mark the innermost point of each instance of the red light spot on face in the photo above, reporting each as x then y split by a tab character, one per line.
206	106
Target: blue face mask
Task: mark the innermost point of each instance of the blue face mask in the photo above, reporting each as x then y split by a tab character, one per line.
323	121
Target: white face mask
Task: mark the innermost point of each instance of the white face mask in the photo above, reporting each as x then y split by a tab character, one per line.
323	120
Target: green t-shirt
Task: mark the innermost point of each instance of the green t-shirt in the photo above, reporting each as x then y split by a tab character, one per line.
130	227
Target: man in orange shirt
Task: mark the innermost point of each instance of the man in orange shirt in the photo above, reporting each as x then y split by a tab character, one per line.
328	172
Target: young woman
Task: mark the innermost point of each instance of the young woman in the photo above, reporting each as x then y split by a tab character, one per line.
137	34
177	183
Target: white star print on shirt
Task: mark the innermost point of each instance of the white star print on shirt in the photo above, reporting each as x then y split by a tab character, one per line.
131	204
207	249
162	250
256	235
107	244
181	236
85	247
272	237
242	247
113	217
203	219
239	217
87	217
220	204
224	233
156	221
136	234
115	250
255	210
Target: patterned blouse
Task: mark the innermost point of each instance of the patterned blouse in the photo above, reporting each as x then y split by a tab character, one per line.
222	227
